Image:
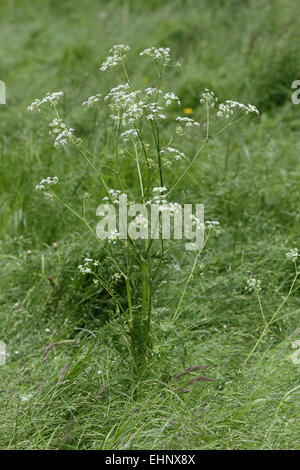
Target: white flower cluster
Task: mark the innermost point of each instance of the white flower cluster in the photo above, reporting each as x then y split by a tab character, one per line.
160	200
188	121
208	97
132	106
153	91
129	134
153	111
113	235
140	221
213	226
116	277
126	102
159	54
118	52
253	285
170	98
91	100
228	108
118	94
296	354
159	189
87	266
63	135
50	98
115	195
292	254
56	126
49	181
196	221
172	151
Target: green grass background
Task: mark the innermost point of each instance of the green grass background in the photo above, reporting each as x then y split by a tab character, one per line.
249	181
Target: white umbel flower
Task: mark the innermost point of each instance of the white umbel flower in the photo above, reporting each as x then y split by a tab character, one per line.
228	108
118	52
159	54
87	266
63	135
253	285
292	254
188	121
174	152
130	134
50	98
115	195
49	181
153	91
208	97
160	189
91	100
171	98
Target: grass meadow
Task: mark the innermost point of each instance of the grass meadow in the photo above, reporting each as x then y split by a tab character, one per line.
82	392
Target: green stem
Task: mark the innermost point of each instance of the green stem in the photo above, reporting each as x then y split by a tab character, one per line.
90	229
177	313
103	284
187	169
272	319
261	309
128	290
